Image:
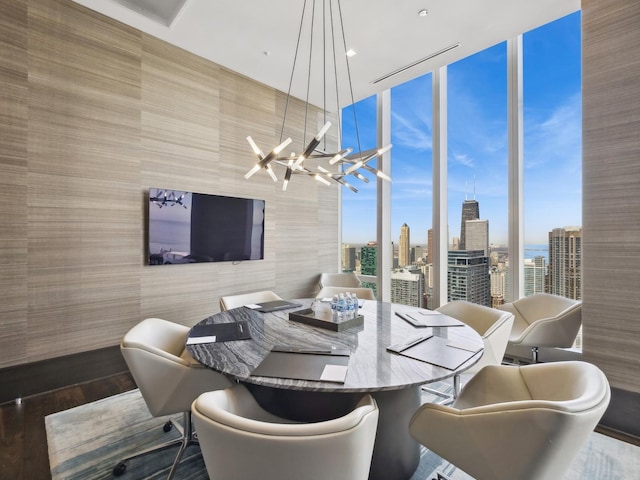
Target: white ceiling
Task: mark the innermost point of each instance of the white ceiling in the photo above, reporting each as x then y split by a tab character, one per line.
386	34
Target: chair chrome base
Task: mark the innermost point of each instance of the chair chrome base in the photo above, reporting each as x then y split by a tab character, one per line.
187	438
448	398
534	354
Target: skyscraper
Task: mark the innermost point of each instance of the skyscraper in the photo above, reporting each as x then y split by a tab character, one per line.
430	245
403	248
417	255
348	258
498	279
369	264
470	211
407	288
369	259
565	262
534	275
477	236
468	276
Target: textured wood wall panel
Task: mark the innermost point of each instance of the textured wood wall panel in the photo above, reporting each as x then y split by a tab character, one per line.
13	182
84	167
611	182
94	113
180	122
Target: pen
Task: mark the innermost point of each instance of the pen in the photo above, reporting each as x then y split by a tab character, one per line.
318	351
310	351
413	342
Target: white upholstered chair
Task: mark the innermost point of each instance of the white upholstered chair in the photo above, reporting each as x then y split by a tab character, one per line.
234	301
516	422
168	377
544	320
240	440
363	293
339	280
494	326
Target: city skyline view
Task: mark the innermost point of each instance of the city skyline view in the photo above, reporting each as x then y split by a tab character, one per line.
477	143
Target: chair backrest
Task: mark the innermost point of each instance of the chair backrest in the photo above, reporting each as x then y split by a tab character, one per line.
339	280
511	422
363	293
545	320
234	301
493	325
239	439
168	377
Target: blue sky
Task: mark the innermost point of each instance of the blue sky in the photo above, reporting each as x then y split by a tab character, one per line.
477	147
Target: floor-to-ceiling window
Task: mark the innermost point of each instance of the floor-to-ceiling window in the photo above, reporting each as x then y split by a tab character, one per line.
411	190
553	158
477	186
477	173
359	216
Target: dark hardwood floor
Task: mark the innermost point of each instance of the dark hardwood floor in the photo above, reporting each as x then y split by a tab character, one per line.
23	440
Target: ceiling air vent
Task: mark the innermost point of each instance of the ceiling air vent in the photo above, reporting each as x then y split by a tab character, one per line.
417	62
163	11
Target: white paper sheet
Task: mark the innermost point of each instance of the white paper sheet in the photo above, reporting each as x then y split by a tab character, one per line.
334	373
197	340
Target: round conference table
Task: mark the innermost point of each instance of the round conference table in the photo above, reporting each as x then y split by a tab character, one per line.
394	380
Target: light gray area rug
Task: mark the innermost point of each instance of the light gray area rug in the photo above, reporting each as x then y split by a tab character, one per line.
86	442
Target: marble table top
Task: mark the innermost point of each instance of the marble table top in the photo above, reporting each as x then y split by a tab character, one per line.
371	367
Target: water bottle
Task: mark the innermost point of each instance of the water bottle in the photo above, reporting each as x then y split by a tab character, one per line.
334	307
356	305
349	302
342	307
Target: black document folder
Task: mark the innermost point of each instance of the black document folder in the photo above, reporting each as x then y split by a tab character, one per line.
436	351
219	332
275	305
326	365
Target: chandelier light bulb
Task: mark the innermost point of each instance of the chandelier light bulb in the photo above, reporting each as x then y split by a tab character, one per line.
271	173
251	172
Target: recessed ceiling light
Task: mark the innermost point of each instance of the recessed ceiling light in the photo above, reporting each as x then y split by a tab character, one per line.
423	13
351	53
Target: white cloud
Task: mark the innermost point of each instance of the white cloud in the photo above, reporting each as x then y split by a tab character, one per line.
462	159
414	133
556	138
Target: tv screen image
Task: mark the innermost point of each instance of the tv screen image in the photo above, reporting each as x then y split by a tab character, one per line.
190	227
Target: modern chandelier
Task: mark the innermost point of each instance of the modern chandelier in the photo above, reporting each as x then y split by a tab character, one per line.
346	163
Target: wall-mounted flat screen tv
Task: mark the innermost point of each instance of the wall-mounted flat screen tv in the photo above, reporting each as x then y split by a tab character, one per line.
189	227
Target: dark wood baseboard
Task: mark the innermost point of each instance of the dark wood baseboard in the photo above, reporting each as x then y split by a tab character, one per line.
38	377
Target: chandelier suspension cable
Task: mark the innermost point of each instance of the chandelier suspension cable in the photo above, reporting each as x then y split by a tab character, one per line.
324	69
353	103
295	58
335	72
306	106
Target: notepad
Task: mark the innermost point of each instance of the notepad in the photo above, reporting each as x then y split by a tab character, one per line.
422	319
219	332
304	365
438	351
